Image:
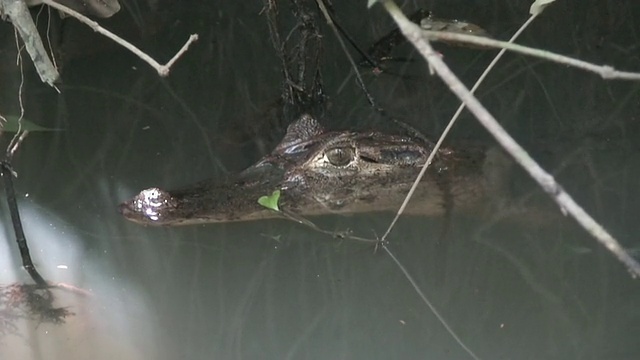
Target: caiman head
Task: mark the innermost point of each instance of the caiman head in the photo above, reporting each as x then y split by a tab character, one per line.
320	172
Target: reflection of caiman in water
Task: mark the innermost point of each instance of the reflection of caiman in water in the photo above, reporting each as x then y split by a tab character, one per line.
321	172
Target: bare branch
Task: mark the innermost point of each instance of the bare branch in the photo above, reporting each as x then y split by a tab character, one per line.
605	71
20	17
163	70
547	182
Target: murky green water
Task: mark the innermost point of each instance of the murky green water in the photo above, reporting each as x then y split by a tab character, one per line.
527	288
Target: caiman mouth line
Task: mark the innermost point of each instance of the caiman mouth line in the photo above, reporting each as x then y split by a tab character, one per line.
320	172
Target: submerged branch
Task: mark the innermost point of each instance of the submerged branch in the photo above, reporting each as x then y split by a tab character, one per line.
7	175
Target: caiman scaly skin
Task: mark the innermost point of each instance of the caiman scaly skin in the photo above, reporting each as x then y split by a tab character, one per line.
320	172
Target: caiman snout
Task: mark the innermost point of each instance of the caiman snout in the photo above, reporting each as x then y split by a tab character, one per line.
149	206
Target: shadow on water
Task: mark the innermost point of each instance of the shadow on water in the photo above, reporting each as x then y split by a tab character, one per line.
533	286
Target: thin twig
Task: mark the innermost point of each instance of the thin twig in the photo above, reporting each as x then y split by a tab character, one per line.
15	142
331	20
72	289
338	31
605	71
346	234
546	180
359	80
450	126
19	136
163	70
426	301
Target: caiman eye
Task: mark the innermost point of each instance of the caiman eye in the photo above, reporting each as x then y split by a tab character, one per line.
340	156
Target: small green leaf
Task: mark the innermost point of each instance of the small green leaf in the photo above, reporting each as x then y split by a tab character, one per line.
270	201
12	125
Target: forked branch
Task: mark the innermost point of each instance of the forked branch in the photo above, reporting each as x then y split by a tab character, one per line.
19	15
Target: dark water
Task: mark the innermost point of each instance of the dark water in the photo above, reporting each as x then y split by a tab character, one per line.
522	289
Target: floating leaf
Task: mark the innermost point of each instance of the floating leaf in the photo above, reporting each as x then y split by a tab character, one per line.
538	6
12	125
270	201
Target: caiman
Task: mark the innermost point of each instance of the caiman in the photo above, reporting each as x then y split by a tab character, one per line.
322	172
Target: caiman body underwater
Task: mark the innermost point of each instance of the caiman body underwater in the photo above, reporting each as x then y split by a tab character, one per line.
321	172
